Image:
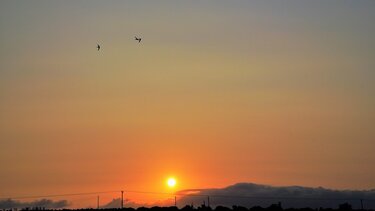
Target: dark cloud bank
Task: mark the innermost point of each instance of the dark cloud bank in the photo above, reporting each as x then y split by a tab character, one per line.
43	203
250	195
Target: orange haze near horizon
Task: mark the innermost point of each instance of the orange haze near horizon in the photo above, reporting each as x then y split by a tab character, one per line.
216	93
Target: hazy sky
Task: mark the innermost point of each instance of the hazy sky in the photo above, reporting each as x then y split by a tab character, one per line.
217	92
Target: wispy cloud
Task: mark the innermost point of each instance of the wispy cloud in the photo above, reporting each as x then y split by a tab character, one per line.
46	203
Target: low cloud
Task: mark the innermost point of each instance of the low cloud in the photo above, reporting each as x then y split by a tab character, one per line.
250	195
116	203
46	203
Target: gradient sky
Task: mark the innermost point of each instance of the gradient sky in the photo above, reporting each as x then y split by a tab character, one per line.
217	92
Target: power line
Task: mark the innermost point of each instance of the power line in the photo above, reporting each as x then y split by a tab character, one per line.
187	195
57	195
248	197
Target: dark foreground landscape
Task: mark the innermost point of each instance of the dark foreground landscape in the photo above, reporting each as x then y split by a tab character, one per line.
272	207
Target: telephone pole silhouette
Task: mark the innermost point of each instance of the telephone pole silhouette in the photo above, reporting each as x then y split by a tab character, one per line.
122	199
98	202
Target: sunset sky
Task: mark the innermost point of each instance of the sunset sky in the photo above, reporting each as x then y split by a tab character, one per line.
218	92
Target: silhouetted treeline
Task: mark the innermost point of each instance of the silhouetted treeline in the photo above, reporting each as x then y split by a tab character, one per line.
272	207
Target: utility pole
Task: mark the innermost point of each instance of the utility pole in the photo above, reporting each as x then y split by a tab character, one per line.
98	203
122	199
208	201
175	201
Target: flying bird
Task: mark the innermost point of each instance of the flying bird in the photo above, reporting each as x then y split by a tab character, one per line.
98	47
138	39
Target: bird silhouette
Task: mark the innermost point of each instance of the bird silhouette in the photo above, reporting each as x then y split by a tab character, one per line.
138	39
98	47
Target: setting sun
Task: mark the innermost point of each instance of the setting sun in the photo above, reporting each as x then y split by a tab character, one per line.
171	182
